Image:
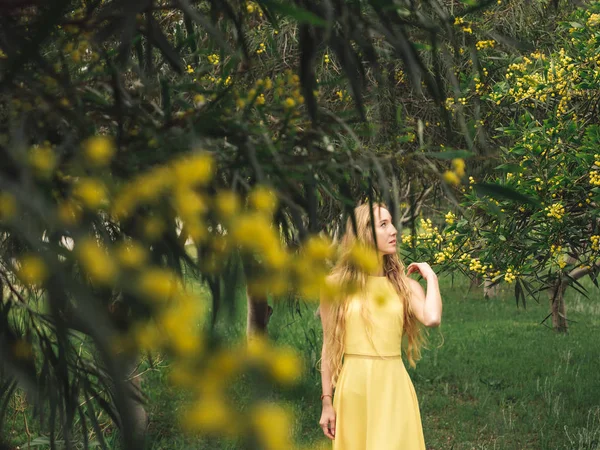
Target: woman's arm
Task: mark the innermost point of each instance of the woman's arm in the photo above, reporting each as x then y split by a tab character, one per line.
427	307
327	421
325	312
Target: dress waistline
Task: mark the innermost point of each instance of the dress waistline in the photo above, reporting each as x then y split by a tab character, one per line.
356	355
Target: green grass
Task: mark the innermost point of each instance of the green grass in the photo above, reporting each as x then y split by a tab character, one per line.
499	381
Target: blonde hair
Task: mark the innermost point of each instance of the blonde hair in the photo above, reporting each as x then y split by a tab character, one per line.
345	272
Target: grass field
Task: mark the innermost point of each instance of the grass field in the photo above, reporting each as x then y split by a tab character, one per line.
499	381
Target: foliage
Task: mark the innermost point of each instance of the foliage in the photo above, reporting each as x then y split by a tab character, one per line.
534	219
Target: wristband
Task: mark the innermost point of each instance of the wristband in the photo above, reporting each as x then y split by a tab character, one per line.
326	395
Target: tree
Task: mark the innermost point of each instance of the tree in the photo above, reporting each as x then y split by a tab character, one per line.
534	220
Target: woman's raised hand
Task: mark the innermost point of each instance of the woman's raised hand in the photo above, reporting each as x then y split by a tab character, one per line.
423	269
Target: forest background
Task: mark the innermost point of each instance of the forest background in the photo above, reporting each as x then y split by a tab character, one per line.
175	175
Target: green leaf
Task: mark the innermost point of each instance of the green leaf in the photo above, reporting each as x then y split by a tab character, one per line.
448	155
576	25
509	168
298	14
502	192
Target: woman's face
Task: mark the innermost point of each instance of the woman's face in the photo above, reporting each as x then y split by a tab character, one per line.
384	231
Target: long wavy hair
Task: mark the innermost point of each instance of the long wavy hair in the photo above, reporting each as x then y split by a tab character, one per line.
344	273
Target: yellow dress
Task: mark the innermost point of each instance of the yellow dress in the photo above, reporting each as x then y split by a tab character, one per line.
375	401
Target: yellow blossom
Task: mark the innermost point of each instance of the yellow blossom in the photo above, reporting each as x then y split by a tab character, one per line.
450	217
210	415
595	239
153	228
213	59
195	169
593	20
272	423
157	284
91	192
98	265
188	203
318	248
99	150
199	100
451	178
42	160
146	336
32	270
227	203
68	212
263	199
364	257
289	103
458	165
8	206
131	254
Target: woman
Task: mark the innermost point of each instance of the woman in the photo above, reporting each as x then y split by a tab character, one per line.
375	406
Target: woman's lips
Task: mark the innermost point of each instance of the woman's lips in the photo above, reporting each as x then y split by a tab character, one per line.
393	242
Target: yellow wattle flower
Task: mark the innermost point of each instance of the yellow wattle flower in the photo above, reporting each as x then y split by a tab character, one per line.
96	262
32	270
99	150
451	177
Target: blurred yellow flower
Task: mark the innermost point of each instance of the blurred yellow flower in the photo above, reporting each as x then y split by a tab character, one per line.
131	254
318	248
210	415
188	203
199	100
32	270
193	170
225	363
99	150
286	366
252	231
153	228
289	103
272	423
42	160
227	203
451	178
458	165
8	206
91	192
179	328
157	284
263	199
146	336
365	258
68	212
95	261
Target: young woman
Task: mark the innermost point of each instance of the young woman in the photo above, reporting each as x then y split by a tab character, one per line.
375	406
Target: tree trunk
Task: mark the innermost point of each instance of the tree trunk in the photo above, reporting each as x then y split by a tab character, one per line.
139	415
557	306
259	313
490	291
475	282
